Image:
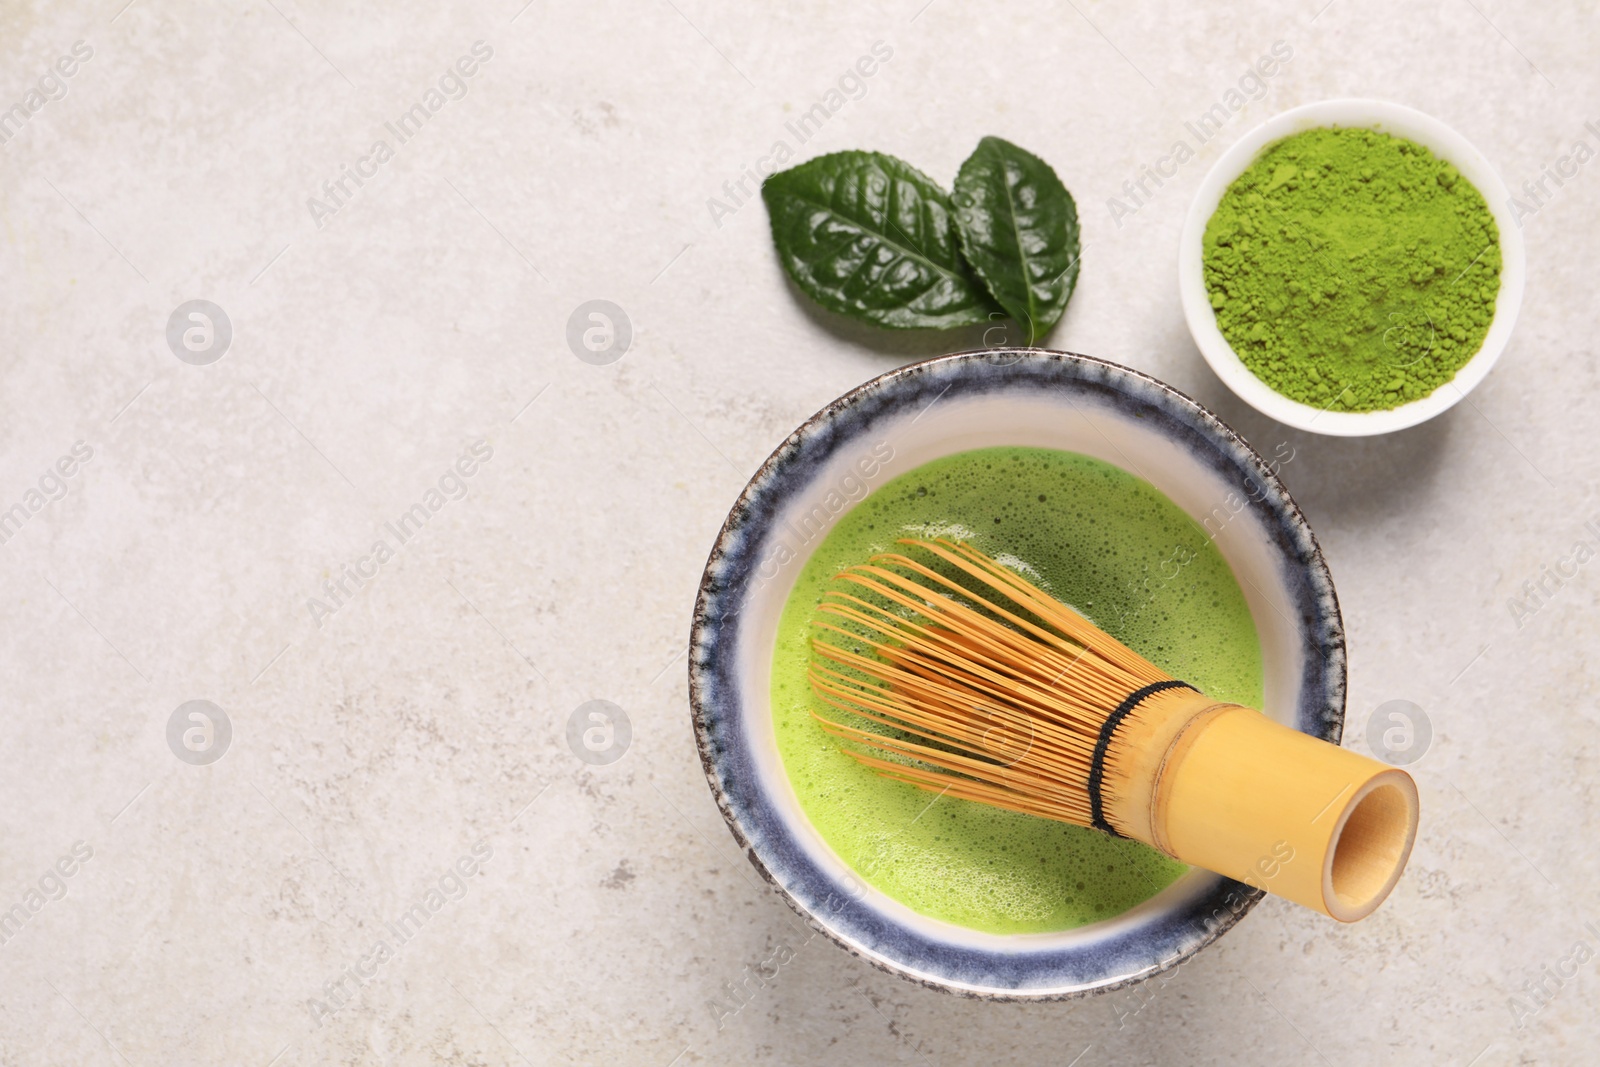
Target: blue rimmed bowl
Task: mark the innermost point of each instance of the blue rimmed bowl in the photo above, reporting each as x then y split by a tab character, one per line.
897	422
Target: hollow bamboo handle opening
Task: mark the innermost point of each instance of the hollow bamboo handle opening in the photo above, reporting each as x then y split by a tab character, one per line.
1314	823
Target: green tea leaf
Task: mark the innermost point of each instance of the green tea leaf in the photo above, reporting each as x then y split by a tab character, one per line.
869	236
1019	230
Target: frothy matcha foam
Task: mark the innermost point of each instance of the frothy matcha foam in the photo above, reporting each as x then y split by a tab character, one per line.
1105	542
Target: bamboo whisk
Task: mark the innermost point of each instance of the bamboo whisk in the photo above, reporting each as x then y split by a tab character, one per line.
997	692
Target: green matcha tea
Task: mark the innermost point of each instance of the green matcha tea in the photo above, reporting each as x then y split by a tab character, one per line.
1103	541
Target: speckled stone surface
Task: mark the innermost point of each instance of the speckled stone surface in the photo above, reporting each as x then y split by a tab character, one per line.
399	772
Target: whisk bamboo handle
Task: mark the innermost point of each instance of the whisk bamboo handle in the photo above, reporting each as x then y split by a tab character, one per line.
1230	790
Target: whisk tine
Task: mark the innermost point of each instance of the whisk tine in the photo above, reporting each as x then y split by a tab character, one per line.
977	634
975	681
1079	629
912	565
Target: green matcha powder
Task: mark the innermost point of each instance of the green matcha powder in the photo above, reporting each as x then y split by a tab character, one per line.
1352	270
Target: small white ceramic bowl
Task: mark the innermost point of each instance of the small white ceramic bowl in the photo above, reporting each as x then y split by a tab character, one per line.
1390	118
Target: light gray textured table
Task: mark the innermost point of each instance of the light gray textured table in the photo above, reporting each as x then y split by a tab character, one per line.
422	712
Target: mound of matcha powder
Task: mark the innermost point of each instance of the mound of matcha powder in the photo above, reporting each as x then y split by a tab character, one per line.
1352	270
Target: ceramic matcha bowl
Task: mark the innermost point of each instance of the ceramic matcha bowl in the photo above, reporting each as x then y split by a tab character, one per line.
898	422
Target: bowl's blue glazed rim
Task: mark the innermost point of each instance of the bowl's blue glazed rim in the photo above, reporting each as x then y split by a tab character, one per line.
1029	972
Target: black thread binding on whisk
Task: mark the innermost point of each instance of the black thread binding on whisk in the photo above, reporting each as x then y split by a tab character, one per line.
1097	769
